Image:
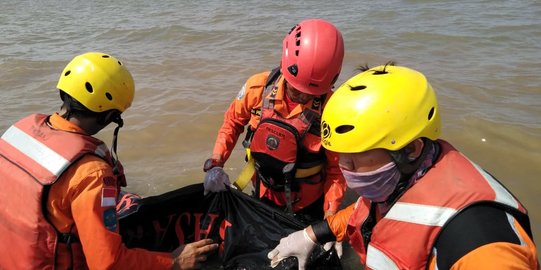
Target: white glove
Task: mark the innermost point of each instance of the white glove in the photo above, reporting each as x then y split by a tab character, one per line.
297	244
216	180
337	246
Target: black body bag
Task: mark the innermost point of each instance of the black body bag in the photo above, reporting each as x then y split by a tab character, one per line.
245	228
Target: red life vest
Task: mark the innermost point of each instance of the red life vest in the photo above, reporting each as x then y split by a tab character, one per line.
278	142
452	184
32	157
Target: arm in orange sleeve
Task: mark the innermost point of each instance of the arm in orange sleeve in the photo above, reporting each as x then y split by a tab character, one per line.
499	255
484	238
338	222
333	228
97	225
335	184
238	115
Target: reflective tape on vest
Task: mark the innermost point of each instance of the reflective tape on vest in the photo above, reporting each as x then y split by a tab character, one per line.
101	151
36	150
502	195
420	214
376	259
437	216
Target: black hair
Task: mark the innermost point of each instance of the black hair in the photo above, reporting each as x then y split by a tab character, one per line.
365	67
75	108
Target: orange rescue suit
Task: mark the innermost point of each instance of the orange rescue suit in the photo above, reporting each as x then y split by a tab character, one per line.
79	199
245	110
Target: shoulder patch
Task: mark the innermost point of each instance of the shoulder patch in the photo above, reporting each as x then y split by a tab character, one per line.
241	93
109	219
108	196
109	181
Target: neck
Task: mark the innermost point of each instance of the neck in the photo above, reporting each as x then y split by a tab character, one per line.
88	124
289	103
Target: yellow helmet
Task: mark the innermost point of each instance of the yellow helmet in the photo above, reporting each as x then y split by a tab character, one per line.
384	107
98	81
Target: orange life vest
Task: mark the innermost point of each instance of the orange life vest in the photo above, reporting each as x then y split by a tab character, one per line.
287	151
404	237
32	157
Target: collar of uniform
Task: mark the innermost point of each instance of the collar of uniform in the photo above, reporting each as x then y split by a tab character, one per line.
281	91
57	122
280	103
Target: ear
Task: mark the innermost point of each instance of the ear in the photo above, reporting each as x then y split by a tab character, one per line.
415	148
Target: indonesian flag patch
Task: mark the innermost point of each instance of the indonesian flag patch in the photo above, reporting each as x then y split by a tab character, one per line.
108	197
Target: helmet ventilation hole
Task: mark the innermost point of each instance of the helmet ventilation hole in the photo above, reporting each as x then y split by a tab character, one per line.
119	63
344	129
384	70
380	72
88	87
358	87
292	28
431	114
67	73
105	56
109	96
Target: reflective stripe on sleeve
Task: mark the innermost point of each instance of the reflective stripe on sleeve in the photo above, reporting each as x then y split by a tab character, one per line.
511	219
35	150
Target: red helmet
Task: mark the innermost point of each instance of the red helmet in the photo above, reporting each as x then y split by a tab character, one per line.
312	56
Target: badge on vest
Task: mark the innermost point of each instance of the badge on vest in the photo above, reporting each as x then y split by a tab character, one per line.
272	142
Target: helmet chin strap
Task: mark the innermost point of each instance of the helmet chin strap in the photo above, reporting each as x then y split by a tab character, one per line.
118	120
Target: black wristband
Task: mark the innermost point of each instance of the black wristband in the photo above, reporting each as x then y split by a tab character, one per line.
323	232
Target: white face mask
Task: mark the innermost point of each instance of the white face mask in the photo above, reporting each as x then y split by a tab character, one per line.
375	185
